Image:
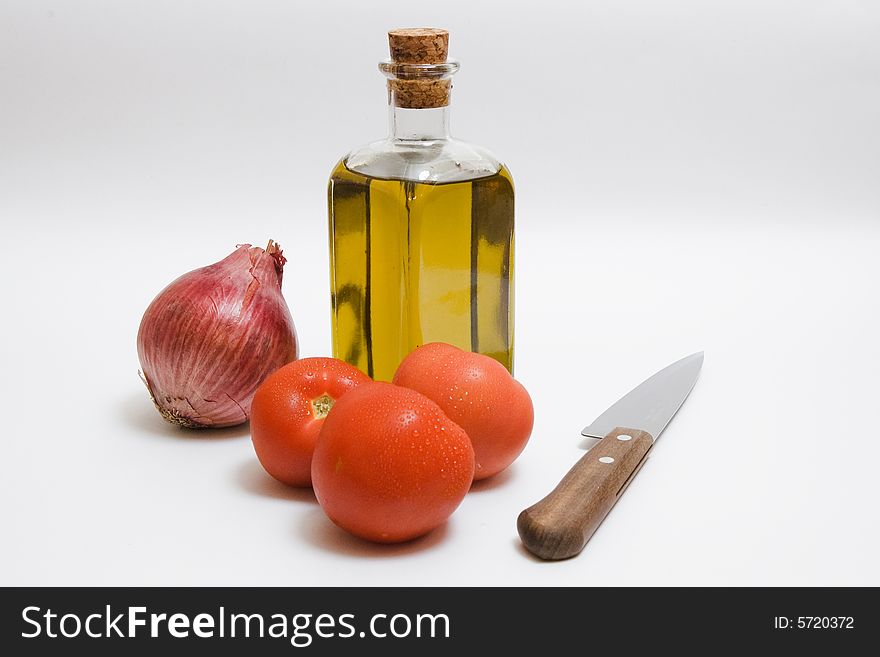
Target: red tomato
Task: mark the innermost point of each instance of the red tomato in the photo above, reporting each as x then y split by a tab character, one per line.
289	409
479	395
389	466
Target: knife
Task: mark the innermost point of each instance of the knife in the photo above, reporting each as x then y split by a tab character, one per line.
559	526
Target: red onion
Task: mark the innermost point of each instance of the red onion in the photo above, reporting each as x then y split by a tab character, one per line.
208	340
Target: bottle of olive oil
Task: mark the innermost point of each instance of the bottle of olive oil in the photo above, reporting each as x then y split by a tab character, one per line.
421	226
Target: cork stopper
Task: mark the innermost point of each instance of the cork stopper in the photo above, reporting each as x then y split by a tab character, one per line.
419	88
419	45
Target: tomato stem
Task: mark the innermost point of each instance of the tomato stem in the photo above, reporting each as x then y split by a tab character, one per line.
322	405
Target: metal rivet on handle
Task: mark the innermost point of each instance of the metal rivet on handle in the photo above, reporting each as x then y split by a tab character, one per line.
606	459
624	436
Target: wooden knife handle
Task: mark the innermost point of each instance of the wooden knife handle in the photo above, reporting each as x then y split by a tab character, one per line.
559	526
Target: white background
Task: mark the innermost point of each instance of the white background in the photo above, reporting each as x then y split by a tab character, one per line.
690	175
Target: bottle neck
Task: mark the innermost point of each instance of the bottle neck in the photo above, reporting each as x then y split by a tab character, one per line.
418	125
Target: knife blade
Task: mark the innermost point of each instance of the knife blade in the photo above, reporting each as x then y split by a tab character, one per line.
559	525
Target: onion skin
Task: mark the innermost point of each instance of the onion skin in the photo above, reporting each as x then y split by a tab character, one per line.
209	339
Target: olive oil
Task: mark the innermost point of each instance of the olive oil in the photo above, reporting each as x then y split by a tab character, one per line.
421	226
417	262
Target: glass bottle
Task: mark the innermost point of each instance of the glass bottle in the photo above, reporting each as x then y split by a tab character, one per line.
421	226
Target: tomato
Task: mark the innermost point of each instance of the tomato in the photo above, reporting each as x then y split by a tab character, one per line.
389	465
479	395
289	409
